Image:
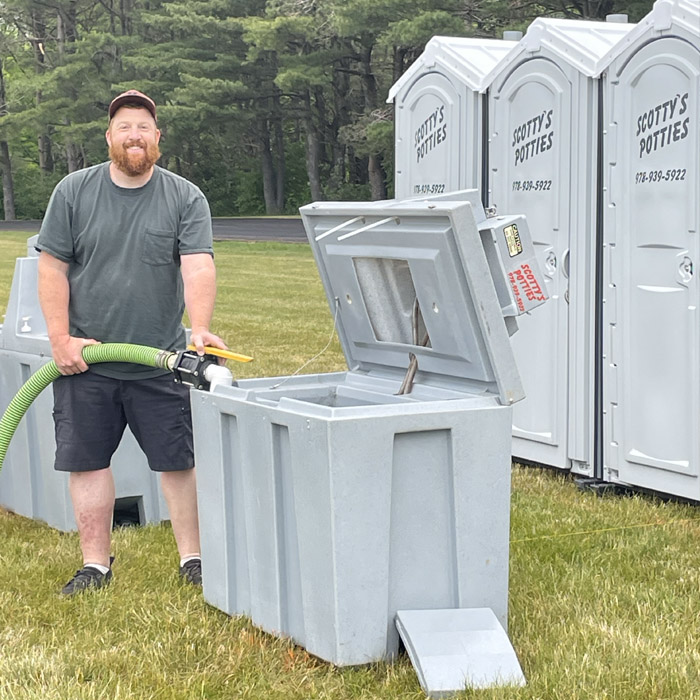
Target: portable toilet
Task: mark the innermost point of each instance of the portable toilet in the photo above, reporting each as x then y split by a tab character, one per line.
439	116
652	220
544	99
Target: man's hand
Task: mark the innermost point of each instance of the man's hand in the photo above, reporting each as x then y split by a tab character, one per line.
199	337
67	353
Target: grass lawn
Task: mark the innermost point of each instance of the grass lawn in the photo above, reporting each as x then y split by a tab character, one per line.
604	592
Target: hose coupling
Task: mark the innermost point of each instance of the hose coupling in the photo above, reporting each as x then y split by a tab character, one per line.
165	359
200	371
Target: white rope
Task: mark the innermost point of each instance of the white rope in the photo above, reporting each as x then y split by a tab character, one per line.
315	357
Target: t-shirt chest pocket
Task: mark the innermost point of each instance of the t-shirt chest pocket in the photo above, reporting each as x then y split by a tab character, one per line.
158	247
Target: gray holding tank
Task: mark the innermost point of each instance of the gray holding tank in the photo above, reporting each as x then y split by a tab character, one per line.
332	503
652	299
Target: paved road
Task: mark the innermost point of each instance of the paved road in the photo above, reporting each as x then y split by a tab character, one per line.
225	229
267	229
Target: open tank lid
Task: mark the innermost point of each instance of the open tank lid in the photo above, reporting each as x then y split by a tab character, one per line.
376	259
469	60
580	43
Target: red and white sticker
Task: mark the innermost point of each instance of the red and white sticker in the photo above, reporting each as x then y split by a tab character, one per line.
524	284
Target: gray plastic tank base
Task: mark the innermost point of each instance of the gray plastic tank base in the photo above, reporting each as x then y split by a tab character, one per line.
24	328
452	649
24	488
29	485
321	521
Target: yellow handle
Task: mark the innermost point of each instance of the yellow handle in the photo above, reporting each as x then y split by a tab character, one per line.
218	352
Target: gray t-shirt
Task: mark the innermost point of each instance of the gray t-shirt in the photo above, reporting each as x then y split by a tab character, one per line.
123	247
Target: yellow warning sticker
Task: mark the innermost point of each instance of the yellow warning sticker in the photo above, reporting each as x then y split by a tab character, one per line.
515	247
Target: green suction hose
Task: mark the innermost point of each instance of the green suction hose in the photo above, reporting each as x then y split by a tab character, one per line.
92	354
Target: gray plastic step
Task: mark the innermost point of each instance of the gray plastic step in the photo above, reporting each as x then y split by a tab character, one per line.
452	649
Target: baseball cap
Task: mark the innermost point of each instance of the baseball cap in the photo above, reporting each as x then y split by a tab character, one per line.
132	97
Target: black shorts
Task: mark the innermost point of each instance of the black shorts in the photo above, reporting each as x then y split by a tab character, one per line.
92	411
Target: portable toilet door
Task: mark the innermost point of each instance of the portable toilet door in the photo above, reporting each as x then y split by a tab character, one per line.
543	118
652	255
439	116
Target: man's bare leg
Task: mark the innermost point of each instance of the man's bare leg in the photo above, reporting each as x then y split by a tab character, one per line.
180	491
92	494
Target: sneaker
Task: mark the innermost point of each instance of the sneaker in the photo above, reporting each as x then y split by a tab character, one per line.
87	577
191	572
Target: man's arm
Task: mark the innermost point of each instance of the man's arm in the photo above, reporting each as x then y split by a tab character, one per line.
54	294
199	277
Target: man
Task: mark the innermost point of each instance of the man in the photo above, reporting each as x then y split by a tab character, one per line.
125	247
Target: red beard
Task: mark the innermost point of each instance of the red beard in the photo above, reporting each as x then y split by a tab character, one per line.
134	164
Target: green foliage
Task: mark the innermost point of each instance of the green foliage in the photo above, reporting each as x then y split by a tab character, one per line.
249	195
349	192
296	180
36	188
418	30
302	77
296	86
371	133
